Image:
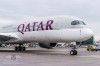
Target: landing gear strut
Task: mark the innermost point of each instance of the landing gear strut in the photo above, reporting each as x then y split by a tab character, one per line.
20	48
73	51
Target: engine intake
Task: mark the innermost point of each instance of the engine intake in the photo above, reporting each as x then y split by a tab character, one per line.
47	45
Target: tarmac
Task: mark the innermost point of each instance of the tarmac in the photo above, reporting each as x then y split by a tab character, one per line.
48	57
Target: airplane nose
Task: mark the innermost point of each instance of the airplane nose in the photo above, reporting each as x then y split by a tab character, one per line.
87	33
90	32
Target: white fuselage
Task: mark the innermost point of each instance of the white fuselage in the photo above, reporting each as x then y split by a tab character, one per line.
48	29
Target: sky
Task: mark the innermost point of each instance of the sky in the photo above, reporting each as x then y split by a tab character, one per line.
17	10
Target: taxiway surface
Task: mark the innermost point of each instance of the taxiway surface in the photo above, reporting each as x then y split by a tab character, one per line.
48	57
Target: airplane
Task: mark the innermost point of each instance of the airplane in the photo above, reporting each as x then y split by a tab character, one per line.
47	31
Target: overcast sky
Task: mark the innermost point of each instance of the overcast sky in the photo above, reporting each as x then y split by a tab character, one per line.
16	10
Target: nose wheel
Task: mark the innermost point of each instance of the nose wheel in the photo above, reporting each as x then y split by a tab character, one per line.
73	52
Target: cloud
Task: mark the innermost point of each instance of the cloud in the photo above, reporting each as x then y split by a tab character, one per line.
18	10
95	27
5	21
6	11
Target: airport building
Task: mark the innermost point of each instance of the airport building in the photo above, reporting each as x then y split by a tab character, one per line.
97	40
88	42
91	41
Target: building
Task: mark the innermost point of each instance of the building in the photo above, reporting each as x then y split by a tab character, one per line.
88	42
97	40
93	40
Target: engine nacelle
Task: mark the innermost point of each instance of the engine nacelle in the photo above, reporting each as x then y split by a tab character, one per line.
47	45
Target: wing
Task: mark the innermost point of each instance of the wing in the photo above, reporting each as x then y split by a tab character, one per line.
7	37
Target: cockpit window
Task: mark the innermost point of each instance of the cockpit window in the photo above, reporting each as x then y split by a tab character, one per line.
81	23
76	22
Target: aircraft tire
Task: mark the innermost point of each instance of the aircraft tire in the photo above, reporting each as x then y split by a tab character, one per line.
20	48
23	48
16	48
73	52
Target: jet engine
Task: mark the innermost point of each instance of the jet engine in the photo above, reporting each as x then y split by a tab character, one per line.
47	45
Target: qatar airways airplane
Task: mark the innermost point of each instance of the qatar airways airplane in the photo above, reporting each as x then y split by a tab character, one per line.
47	31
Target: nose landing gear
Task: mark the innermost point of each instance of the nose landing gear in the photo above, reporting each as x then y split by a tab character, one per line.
73	52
